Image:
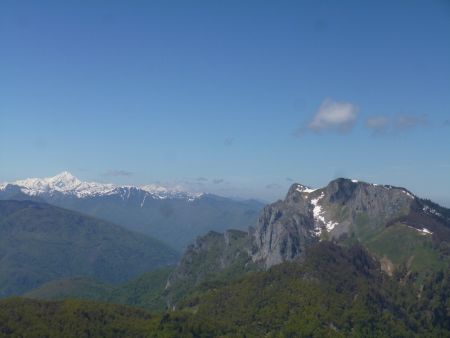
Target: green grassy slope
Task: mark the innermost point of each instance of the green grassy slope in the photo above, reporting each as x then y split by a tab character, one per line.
403	245
399	246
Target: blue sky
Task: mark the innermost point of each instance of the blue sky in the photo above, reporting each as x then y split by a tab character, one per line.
239	98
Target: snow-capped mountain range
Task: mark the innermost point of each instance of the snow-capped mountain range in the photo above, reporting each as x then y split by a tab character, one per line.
169	213
67	184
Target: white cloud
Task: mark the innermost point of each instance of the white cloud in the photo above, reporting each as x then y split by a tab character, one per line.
332	115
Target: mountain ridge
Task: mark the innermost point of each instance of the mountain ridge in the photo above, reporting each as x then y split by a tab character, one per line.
175	217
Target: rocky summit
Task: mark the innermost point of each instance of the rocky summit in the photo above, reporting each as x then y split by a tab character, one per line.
307	215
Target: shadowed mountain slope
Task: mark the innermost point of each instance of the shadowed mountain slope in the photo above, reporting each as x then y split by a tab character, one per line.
40	242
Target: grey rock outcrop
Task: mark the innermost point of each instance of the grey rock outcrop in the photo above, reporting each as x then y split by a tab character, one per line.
282	233
286	228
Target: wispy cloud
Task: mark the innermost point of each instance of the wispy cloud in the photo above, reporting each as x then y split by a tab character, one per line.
383	124
446	123
117	173
273	186
332	116
202	179
218	180
228	141
378	124
406	121
289	179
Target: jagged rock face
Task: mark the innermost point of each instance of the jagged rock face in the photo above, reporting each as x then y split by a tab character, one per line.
373	199
285	228
213	256
282	233
212	251
346	200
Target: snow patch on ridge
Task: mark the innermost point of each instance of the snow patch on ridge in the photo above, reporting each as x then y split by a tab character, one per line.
423	231
319	219
143	201
305	189
407	193
432	211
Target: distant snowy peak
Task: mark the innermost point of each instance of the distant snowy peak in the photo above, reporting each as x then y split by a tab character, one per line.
64	183
162	192
67	184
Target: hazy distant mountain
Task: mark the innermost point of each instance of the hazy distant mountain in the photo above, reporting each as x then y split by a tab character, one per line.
174	216
40	242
